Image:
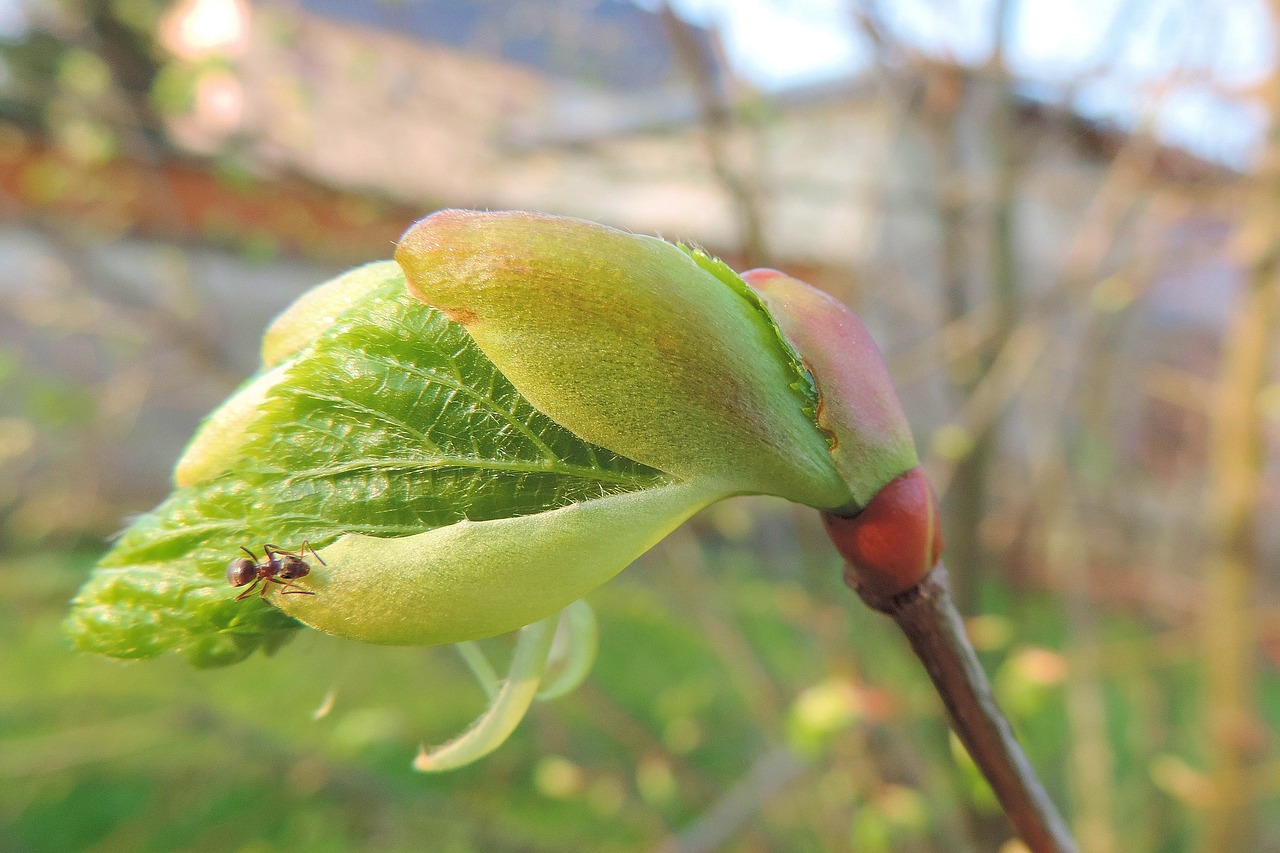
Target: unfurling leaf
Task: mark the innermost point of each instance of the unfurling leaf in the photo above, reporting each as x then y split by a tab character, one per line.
470	442
458	501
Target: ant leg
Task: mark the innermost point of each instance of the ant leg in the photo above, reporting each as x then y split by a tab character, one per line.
250	553
249	590
287	590
306	546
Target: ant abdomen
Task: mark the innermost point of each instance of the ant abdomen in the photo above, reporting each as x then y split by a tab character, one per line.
241	571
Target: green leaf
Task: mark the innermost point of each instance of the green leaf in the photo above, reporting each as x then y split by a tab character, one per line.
387	423
801	379
463	470
453	474
478	579
659	353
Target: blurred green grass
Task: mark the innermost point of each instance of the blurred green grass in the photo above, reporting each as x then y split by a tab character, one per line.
705	646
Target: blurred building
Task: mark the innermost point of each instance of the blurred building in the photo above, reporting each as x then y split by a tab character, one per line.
310	133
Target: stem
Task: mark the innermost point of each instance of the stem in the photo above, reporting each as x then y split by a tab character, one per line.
473	657
1238	460
928	616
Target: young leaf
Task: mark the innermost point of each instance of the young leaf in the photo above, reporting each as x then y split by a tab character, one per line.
633	343
386	423
457	473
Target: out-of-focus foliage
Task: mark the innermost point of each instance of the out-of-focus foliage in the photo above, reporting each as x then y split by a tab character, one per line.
713	665
87	72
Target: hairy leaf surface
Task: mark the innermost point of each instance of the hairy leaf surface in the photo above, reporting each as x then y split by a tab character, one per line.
389	423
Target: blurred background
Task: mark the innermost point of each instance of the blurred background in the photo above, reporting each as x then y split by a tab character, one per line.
1060	221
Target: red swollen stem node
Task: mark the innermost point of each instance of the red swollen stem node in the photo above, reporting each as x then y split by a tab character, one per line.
890	546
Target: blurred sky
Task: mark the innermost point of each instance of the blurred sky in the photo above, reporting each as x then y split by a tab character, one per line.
783	42
1129	47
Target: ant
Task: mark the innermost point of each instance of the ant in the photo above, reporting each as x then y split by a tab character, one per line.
281	566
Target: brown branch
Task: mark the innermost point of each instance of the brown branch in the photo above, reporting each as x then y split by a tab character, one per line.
699	64
928	616
1237	462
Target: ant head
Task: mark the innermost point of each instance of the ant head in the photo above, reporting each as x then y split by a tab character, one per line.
241	571
292	567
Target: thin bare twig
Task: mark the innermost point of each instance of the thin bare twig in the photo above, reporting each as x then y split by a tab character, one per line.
770	775
1238	454
717	123
928	616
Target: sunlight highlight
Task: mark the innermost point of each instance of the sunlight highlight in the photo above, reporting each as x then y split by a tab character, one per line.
200	28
